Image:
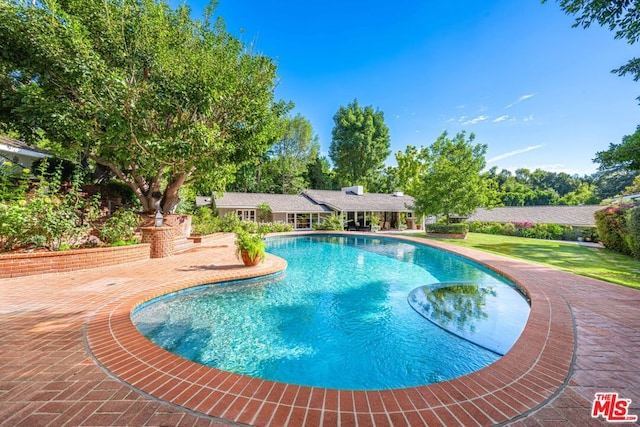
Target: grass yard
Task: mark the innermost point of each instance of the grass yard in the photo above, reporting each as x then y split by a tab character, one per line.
597	263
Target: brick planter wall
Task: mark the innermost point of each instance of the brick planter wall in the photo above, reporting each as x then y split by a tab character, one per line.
16	265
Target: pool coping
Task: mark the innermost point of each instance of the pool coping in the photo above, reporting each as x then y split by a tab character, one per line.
534	371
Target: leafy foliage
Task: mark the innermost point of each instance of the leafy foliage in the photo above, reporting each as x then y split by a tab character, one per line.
120	228
291	155
612	228
533	231
333	222
359	144
457	228
142	89
625	155
252	243
633	228
205	222
446	178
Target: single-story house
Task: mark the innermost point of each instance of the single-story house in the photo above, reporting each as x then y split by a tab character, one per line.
575	216
20	153
313	206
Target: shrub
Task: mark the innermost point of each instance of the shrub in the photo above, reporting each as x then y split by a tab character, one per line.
13	221
458	228
611	226
205	222
14	182
633	228
61	219
120	228
547	231
276	227
114	189
230	223
525	229
333	222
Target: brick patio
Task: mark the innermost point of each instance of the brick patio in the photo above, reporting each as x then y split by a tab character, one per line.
69	355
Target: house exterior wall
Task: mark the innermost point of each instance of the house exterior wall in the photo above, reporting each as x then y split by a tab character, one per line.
279	217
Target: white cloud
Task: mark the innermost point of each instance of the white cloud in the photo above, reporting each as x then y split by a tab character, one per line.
514	153
500	119
476	120
522	98
528	118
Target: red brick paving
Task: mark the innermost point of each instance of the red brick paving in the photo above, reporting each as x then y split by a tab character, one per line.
69	355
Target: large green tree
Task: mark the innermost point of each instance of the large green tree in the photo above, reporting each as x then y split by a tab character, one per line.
138	87
446	178
292	154
359	144
319	174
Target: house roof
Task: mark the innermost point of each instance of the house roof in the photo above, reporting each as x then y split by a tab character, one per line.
11	145
350	201
564	215
277	202
317	201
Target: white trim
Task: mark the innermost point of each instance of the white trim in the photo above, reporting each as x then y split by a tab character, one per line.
22	151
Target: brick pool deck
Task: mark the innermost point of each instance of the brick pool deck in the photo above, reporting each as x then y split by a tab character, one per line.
69	355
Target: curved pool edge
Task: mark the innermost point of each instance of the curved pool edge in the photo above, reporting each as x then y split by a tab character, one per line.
529	375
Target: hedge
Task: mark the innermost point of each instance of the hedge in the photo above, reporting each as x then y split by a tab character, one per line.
457	228
535	231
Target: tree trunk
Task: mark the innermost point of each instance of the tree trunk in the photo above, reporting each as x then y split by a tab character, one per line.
170	198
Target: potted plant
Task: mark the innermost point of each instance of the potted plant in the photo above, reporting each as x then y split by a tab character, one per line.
250	248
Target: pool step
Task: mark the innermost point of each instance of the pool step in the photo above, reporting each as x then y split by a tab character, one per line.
183	244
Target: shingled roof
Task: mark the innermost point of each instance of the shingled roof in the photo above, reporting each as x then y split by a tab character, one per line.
350	201
563	215
277	202
318	201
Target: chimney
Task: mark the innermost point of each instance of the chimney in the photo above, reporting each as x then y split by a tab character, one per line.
357	189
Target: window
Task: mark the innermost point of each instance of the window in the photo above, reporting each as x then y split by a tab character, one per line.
246	215
303	221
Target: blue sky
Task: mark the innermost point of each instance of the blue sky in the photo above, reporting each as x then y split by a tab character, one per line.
538	92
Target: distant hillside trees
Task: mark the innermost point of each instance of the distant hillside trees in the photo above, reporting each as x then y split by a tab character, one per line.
359	145
526	188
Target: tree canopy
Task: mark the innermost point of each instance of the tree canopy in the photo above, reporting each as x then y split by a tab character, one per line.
625	155
359	144
292	154
446	177
158	98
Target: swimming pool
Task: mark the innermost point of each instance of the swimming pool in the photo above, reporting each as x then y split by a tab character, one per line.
338	317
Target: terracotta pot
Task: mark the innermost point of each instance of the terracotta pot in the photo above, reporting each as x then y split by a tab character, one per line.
248	261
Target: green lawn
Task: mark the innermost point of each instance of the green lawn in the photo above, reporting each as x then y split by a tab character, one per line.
598	263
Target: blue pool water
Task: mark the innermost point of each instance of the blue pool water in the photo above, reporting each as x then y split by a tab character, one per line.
337	318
